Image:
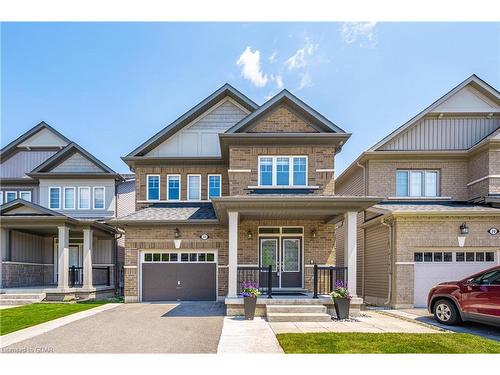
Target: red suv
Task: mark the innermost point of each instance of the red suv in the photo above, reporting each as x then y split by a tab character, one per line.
475	298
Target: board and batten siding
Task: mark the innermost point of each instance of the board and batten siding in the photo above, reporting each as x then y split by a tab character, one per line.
376	266
23	162
77	163
202	137
109	204
102	252
432	133
29	248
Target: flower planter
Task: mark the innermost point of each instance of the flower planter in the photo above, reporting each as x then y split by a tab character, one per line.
342	307
250	304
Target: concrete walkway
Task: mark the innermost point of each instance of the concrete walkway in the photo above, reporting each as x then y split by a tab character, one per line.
248	336
369	321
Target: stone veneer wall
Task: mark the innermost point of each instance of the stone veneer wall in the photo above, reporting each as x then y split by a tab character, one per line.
16	274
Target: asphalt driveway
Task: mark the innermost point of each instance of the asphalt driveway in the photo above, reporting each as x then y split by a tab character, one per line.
187	327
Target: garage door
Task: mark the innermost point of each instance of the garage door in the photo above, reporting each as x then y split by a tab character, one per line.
179	277
432	268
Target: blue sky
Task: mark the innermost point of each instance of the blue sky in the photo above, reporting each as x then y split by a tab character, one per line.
110	86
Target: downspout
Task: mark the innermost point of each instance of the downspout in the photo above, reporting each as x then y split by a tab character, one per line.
389	290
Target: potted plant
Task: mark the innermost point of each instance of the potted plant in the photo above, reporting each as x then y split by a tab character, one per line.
250	294
341	299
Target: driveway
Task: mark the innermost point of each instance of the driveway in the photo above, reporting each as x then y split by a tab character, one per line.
187	327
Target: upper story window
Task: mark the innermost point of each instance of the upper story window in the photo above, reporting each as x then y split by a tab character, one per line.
174	187
99	197
69	198
417	183
84	198
10	196
214	186
153	188
194	187
283	171
55	197
26	195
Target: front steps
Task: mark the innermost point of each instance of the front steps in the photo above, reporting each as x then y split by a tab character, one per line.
297	313
20	298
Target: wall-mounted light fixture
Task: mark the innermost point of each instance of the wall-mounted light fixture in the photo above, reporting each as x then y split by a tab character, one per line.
249	235
313	233
177	233
464	229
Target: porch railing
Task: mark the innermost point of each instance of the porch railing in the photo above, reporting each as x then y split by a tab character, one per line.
101	275
325	278
263	276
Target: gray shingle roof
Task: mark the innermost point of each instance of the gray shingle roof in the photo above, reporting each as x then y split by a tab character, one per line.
427	206
172	212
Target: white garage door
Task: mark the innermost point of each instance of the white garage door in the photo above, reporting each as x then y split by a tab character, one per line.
432	268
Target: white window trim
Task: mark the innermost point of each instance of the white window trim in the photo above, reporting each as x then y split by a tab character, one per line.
290	171
1	197
199	188
26	191
103	197
59	201
180	187
147	187
80	188
208	184
64	197
423	171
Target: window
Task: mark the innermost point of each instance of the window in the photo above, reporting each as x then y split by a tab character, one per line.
488	278
438	257
427	257
448	257
1	197
99	197
490	256
153	193
54	197
469	257
174	257
194	187
414	183
26	195
10	196
174	187
460	257
283	171
433	257
84	198
479	257
418	257
214	186
69	198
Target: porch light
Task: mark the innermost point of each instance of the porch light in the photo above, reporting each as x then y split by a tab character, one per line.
249	235
313	233
177	233
464	229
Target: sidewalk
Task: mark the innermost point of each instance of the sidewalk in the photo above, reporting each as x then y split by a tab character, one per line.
248	336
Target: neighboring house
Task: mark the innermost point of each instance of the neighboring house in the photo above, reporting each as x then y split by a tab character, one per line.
440	175
231	186
55	197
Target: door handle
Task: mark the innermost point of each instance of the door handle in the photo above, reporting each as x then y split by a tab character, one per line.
178	283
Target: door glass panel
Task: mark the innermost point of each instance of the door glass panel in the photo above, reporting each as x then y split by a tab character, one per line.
291	255
268	252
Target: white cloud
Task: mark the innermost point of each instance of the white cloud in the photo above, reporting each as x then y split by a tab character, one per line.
299	59
279	81
362	32
305	81
250	67
272	58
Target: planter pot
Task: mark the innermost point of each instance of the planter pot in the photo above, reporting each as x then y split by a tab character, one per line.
250	303
342	307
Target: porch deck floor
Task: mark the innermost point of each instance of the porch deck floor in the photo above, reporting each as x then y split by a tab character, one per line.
46	288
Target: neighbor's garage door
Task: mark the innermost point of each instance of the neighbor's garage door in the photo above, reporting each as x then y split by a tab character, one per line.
432	268
184	277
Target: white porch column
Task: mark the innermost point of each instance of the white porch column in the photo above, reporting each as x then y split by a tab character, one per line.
233	254
350	249
88	235
63	257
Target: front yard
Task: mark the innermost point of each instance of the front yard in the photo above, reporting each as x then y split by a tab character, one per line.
17	318
385	343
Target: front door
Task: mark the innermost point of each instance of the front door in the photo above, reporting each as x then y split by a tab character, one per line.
285	256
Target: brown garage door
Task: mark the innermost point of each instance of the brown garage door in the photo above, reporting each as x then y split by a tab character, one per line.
178	281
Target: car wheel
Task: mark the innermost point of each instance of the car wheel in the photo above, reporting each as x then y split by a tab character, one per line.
445	312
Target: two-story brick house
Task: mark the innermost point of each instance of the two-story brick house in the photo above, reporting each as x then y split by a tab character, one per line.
440	176
54	198
231	185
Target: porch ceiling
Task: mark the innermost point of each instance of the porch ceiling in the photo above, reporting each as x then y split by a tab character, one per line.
326	208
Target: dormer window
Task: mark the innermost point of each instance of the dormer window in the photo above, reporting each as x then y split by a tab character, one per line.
283	171
417	183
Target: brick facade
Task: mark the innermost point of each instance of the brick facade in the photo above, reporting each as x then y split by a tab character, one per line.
25	274
282	120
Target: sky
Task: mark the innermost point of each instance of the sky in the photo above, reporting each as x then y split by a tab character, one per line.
111	86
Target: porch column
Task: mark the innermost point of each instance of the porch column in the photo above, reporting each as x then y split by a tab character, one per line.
233	255
350	249
4	244
87	258
63	257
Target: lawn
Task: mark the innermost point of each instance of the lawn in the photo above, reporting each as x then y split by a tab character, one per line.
388	343
17	318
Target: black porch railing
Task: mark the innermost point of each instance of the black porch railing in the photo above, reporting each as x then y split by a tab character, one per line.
325	278
101	275
263	276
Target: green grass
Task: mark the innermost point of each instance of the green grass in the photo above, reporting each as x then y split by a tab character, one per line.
387	343
16	318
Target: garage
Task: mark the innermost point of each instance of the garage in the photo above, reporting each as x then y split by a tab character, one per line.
168	276
434	267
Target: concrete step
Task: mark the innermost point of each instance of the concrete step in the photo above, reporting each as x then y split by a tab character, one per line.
34	296
307	309
298	317
17	301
